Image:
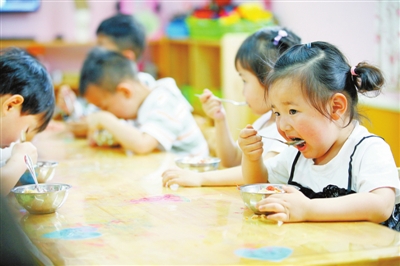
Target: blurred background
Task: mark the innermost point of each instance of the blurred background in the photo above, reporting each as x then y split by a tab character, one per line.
195	42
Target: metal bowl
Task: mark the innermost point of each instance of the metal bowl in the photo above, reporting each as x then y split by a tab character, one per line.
44	170
251	194
49	201
198	164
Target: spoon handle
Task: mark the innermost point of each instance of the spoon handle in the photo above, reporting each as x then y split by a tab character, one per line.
29	165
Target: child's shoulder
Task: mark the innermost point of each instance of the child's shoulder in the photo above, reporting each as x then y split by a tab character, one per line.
360	133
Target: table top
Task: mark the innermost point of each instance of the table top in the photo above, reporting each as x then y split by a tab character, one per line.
117	212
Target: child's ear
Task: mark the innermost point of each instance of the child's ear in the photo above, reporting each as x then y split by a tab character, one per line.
338	105
12	102
129	54
125	89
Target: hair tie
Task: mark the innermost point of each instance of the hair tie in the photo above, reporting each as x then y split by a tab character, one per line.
352	71
281	34
308	45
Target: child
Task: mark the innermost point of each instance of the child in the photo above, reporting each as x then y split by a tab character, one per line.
27	105
109	81
120	33
344	172
264	45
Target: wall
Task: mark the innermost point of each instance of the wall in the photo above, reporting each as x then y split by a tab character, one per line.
347	24
57	17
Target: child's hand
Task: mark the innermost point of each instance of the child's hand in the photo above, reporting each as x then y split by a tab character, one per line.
66	99
96	121
212	105
181	177
291	206
20	149
250	143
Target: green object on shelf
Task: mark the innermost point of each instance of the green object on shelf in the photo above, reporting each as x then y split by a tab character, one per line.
214	29
189	93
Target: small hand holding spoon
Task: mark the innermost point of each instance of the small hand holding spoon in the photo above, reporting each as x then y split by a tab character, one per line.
29	164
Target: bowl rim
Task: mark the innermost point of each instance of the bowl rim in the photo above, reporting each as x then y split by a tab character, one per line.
268	184
65	187
44	163
214	160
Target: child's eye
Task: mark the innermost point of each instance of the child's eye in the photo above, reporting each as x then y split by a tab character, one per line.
292	112
277	113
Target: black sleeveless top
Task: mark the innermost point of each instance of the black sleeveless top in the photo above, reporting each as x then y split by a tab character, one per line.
333	191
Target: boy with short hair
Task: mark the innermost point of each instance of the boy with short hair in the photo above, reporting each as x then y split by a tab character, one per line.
163	116
27	105
120	33
124	34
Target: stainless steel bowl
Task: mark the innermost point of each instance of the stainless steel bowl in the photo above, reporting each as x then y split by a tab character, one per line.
198	164
251	194
104	138
49	201
44	170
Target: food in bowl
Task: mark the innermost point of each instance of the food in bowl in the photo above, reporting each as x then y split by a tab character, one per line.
104	138
48	199
251	194
271	189
198	164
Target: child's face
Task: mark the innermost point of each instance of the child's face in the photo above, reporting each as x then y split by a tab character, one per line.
106	42
253	91
121	105
13	123
296	118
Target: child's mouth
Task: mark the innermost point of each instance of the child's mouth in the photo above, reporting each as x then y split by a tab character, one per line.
300	142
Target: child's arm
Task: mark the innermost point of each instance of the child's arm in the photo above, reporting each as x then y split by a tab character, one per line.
226	148
375	206
127	136
253	168
226	177
15	167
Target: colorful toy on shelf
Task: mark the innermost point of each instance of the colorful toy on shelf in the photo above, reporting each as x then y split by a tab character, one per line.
254	12
213	21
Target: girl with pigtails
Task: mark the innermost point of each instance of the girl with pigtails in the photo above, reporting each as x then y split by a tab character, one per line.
342	172
261	47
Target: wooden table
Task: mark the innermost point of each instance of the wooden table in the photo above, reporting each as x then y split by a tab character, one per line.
117	212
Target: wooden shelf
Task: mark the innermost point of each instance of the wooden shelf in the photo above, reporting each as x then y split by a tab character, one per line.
33	43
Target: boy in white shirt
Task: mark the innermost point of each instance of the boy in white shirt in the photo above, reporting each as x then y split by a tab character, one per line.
164	119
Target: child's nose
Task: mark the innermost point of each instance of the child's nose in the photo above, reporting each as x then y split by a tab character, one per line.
284	124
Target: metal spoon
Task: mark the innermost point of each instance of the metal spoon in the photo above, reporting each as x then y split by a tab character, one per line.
227	101
289	143
29	164
22	136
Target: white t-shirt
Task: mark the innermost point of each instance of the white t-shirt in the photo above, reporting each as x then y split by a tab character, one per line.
269	131
373	166
5	154
147	79
166	115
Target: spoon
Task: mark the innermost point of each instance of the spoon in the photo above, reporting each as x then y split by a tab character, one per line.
289	143
29	164
22	136
227	101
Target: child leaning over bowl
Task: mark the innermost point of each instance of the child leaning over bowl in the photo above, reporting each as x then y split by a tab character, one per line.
27	105
265	45
163	116
344	172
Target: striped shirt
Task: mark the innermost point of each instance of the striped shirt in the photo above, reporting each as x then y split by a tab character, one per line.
167	116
